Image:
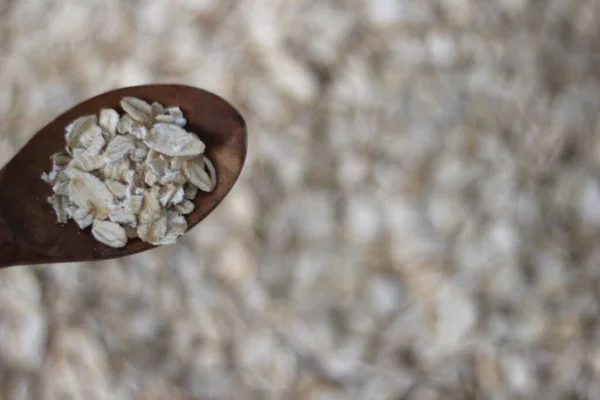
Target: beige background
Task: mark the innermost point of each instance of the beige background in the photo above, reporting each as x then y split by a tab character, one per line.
418	218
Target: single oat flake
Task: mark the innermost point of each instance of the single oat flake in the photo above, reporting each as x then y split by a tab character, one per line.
130	175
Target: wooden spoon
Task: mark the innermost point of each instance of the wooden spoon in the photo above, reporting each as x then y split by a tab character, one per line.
29	233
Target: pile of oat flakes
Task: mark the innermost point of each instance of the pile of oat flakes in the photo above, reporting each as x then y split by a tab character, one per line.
130	176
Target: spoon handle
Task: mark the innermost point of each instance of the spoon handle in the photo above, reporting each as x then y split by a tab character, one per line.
8	248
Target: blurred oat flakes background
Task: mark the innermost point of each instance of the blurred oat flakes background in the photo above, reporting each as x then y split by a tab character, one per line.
418	216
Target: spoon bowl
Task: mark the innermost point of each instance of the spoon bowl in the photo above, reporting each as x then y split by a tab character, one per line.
29	232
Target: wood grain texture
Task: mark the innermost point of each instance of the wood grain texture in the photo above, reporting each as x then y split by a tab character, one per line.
29	232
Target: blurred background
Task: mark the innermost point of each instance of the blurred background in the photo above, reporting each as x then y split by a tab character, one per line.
417	218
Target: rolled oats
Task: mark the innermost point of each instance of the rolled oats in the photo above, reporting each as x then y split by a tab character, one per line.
130	231
119	148
139	131
87	162
171	176
109	233
157	109
139	154
49	177
92	139
134	180
77	128
61	160
177	115
122	215
61	188
177	162
191	191
138	109
169	119
175	112
150	177
211	171
134	203
85	187
173	140
185	207
117	188
130	176
84	217
195	172
108	120
121	169
151	208
60	204
170	194
156	162
154	231
125	124
176	226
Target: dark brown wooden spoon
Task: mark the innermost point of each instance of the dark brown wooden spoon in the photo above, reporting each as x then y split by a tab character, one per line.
29	233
